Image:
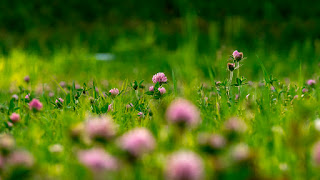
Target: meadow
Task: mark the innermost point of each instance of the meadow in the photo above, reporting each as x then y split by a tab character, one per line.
189	105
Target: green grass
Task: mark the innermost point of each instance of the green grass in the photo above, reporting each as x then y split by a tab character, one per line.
280	129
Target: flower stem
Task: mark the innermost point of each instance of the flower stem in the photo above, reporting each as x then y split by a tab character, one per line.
238	76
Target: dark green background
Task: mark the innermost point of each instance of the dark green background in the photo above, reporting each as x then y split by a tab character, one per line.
43	26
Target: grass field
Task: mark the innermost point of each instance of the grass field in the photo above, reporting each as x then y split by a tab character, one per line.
262	126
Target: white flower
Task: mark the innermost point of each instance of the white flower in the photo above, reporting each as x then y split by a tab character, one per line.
317	124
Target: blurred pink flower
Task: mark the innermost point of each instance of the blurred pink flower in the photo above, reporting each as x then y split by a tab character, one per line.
151	88
98	160
159	77
16	97
235	124
35	104
51	94
27	96
77	86
217	141
20	158
237	97
59	100
316	153
182	111
15	117
237	55
100	128
240	152
129	106
9	124
140	114
114	91
231	66
110	107
311	82
137	142
272	88
184	165
63	84
7	142
26	79
305	90
162	90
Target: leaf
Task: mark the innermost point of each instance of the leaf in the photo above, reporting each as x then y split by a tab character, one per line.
104	109
149	93
211	74
156	86
141	82
265	73
11	105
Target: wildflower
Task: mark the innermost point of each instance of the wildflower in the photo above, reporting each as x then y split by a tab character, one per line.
247	96
27	96
283	166
77	86
101	128
7	142
240	152
59	100
16	97
317	124
63	84
217	141
15	117
218	83
159	77
184	165
183	112
114	92
235	125
212	141
237	55
26	79
316	153
151	88
137	142
231	66
140	114
56	148
51	94
129	106
311	82
305	90
162	90
237	97
35	104
10	124
97	160
110	107
21	158
272	88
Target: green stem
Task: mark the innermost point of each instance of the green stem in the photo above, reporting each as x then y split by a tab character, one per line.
238	76
229	84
